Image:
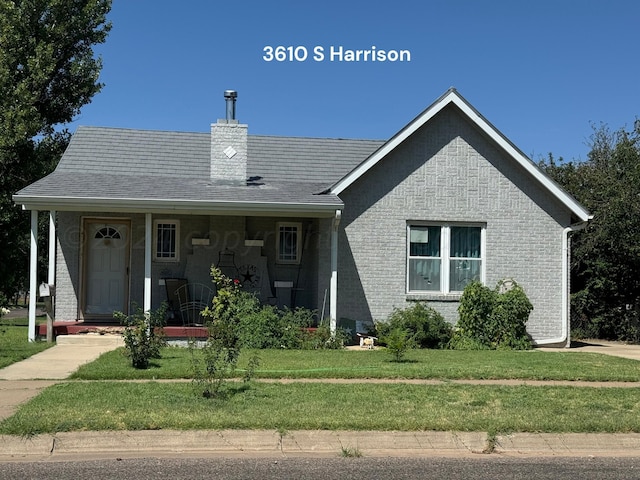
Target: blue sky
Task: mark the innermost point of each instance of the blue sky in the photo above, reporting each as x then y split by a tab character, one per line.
541	71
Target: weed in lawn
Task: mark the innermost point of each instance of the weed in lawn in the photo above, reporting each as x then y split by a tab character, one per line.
350	452
217	360
490	446
398	342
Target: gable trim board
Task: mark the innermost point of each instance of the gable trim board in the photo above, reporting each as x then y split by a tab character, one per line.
452	97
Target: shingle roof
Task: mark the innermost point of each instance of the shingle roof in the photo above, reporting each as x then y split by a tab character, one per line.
114	166
158	153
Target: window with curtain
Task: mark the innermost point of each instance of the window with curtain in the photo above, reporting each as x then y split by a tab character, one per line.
464	257
443	258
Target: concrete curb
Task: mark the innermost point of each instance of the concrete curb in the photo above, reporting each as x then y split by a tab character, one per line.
240	443
303	443
570	444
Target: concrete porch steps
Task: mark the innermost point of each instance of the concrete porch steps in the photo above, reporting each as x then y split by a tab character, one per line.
91	339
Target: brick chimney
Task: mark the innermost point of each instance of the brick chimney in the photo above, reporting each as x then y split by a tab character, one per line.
229	146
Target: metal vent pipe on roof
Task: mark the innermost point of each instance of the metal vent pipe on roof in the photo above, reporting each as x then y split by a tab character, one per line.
230	97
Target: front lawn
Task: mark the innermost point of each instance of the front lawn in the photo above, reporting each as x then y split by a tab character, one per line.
293	406
14	344
94	401
420	364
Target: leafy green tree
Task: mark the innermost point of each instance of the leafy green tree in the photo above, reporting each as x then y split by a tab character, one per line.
48	71
605	266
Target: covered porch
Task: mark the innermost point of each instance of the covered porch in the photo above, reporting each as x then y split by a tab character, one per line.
287	258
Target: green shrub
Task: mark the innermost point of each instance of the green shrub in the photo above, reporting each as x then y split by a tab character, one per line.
264	326
322	339
425	327
293	327
258	325
243	322
492	318
143	334
398	341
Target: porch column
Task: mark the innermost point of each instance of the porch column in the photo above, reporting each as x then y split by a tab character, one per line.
147	261
51	274
51	279
33	276
333	298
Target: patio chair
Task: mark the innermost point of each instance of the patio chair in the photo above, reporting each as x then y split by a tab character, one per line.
171	286
193	298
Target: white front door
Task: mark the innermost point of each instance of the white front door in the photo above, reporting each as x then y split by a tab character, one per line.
106	277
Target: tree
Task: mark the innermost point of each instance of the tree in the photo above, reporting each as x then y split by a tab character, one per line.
47	73
605	267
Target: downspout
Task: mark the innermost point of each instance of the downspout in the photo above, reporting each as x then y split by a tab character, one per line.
333	298
565	335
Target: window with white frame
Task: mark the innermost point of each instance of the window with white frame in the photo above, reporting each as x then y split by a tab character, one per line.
289	242
444	258
167	240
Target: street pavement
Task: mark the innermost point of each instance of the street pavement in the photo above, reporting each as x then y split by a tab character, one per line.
24	380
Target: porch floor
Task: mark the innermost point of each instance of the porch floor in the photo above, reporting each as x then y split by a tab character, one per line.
103	328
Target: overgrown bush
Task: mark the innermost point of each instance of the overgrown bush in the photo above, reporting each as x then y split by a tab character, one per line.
143	334
425	327
264	326
218	359
492	318
322	339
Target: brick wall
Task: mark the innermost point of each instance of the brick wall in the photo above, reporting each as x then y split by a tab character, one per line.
449	172
232	167
67	266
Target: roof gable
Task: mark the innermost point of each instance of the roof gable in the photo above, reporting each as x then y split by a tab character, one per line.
452	97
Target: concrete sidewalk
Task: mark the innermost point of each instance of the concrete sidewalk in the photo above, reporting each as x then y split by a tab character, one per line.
615	349
23	380
64	358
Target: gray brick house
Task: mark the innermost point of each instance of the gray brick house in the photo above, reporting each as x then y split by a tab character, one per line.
352	228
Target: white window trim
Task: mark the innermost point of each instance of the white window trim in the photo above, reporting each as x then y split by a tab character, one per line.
298	227
174	259
445	258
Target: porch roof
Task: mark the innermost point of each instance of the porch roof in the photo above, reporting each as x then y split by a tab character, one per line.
113	169
165	194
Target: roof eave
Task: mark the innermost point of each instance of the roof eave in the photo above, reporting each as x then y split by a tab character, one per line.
194	207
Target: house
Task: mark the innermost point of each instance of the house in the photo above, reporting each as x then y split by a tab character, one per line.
352	228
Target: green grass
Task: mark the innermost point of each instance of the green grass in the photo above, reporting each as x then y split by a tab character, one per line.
102	404
14	345
284	407
419	364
